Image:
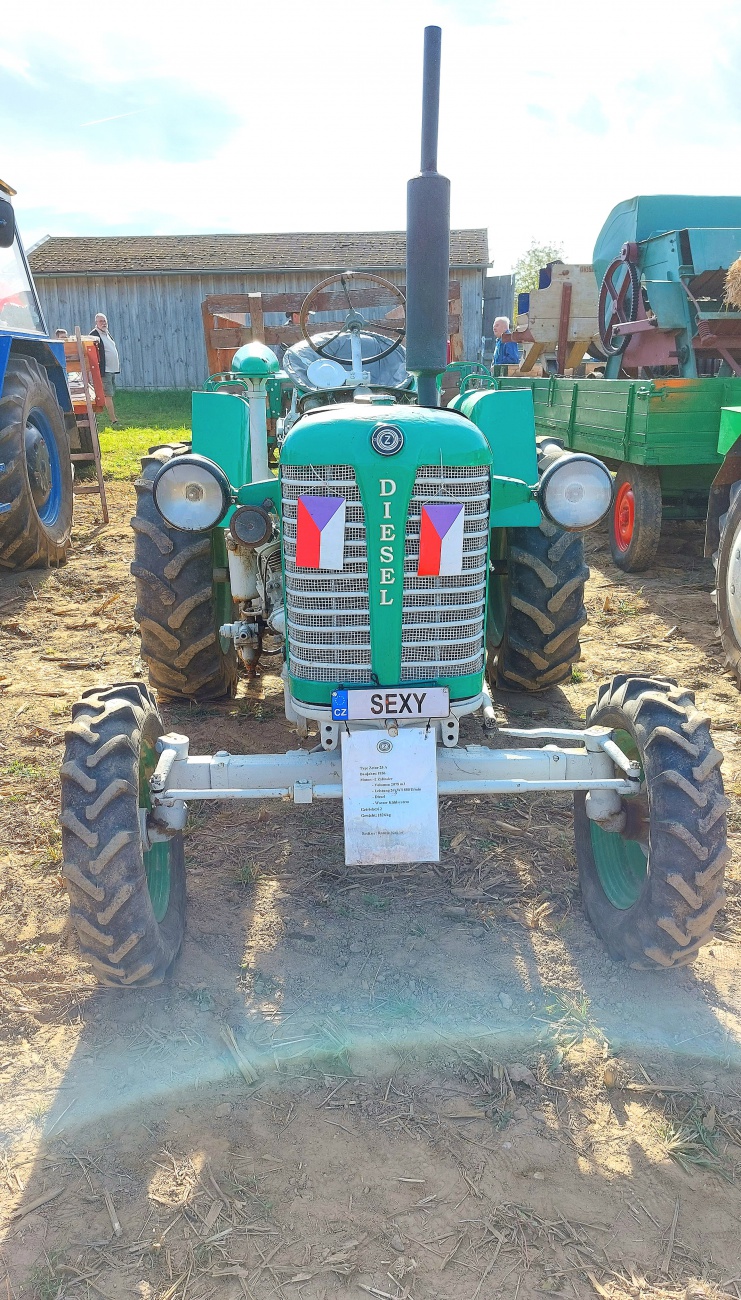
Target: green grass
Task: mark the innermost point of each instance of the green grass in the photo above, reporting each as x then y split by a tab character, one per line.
145	419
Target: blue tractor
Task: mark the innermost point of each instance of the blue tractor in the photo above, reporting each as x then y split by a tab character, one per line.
37	424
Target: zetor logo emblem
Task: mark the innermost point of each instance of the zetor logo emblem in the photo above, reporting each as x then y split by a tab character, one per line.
387	439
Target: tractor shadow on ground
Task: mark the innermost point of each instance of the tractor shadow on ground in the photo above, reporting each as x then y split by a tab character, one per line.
361	1090
676	589
389	993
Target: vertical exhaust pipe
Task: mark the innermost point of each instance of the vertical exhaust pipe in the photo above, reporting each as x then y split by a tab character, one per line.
428	242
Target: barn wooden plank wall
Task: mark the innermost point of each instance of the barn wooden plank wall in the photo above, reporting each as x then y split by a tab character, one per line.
156	319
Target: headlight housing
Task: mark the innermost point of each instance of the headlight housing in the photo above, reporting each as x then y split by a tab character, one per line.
251	525
192	493
575	491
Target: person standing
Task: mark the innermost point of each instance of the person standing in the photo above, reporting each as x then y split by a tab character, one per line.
110	365
506	351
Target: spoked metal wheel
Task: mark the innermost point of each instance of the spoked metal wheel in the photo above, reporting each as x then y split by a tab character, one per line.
618	304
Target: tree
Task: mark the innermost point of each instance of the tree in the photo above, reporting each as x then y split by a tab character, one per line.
530	263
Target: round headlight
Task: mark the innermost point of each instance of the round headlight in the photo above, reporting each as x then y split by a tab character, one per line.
576	492
192	493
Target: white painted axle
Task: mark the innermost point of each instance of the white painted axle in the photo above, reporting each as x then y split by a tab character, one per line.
475	770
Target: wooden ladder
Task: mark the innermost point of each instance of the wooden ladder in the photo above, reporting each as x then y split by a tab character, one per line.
89	421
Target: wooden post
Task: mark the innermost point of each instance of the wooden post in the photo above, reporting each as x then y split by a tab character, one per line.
531	357
257	322
563	326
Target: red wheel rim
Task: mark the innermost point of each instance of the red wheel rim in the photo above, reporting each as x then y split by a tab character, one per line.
624	516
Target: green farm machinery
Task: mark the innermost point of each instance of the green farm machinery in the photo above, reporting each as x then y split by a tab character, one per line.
666	416
404	560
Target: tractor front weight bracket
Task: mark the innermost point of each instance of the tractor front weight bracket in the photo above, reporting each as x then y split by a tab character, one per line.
589	765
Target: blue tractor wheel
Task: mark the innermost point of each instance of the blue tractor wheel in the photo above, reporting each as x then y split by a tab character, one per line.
35	470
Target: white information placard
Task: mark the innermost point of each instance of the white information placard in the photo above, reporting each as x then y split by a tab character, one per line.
389	786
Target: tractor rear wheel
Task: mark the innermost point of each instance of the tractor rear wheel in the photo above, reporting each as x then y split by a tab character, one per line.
179	604
536	606
635	518
652	891
127	900
728	581
35	470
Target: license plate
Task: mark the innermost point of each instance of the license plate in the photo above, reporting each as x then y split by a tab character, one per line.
405	704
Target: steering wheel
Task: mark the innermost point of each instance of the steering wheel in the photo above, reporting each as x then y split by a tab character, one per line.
354	321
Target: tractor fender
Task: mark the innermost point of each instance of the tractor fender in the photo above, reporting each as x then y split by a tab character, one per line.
48	353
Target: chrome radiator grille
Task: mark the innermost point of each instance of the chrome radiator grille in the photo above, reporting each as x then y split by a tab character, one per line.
443	619
328	620
328	623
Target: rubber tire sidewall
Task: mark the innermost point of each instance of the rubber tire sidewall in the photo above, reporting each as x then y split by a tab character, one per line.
212	672
508	666
46	543
100	719
637	934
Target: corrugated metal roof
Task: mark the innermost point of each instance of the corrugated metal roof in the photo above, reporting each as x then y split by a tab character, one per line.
147	254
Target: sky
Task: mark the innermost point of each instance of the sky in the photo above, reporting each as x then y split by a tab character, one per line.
171	118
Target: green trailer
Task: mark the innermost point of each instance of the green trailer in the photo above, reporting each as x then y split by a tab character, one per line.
675	448
659	436
666	418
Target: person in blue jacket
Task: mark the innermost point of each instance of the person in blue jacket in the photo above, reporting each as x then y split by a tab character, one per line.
506	352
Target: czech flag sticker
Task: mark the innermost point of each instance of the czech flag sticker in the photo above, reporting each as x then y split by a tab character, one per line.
441	539
320	533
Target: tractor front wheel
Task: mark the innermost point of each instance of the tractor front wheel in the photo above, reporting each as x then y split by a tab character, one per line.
180	604
652	891
127	898
536	606
635	518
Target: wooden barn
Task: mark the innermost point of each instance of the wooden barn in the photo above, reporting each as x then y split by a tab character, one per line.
151	287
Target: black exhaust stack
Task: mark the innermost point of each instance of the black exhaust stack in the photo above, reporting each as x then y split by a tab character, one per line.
428	243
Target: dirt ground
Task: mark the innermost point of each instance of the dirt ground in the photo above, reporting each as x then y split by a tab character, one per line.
455	1093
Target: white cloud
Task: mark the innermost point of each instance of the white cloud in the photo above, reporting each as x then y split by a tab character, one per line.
326	107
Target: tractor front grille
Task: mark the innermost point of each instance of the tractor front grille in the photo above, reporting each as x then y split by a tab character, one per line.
443	618
328	621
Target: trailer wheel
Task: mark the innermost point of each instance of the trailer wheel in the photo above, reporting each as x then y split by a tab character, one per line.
35	470
653	891
635	518
179	604
127	902
536	606
727	594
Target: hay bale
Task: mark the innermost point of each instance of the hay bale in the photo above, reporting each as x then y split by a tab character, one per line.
733	284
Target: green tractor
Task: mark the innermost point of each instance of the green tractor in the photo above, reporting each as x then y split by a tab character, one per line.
407	560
